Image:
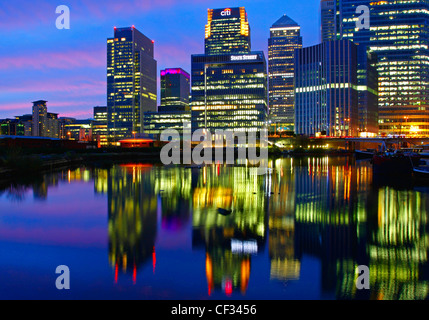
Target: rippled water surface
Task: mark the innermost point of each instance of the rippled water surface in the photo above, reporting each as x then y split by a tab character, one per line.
150	232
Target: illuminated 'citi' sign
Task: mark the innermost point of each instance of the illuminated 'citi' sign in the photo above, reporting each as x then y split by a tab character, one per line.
226	12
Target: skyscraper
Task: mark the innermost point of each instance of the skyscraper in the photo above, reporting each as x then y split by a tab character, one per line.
330	19
399	36
40	118
174	109
175	89
52	126
131	82
326	100
229	82
227	32
285	37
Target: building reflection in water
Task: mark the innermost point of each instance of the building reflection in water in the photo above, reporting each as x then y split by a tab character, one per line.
230	222
132	207
285	265
398	245
334	214
325	208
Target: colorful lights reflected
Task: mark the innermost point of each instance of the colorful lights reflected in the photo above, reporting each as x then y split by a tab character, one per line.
331	210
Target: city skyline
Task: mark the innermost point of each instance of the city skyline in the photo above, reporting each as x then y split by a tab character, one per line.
49	70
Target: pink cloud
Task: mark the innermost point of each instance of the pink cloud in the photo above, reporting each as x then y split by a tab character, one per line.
82	114
81	86
58	60
20	13
25	14
82	109
15	106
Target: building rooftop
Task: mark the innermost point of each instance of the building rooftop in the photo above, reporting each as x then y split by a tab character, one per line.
284	21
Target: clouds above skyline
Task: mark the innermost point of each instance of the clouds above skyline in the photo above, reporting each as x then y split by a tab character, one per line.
68	67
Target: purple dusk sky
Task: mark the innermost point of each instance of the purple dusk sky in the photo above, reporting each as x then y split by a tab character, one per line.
68	67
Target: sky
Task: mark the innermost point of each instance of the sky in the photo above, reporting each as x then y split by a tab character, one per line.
68	67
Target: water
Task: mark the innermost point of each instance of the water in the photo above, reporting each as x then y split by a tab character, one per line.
150	232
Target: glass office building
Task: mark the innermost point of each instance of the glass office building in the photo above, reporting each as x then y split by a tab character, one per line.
175	89
227	32
99	126
329	9
156	122
229	81
326	96
399	36
285	37
174	109
131	82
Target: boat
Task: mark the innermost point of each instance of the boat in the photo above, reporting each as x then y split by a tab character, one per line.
395	162
422	170
365	154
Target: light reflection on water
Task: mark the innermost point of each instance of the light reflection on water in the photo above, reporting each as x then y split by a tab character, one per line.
219	232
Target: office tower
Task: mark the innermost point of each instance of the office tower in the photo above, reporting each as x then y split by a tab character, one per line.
99	125
330	19
285	37
156	122
175	89
227	32
229	82
332	29
100	114
131	82
40	114
326	97
174	109
52	126
27	121
367	92
399	36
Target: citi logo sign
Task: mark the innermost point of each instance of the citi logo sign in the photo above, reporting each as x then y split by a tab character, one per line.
226	12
